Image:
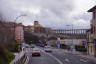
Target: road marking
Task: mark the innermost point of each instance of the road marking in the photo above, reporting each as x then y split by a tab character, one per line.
53	57
83	60
67	60
56	59
27	60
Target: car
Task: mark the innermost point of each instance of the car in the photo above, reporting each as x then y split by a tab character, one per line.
47	49
41	45
27	46
36	52
32	46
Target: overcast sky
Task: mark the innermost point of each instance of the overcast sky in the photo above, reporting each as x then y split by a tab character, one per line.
50	13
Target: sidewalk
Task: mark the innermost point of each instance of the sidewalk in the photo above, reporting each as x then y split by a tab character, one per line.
81	54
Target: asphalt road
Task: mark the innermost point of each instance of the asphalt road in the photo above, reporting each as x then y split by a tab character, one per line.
59	57
43	59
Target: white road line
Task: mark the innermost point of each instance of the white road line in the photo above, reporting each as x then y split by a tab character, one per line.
53	57
67	60
83	60
27	60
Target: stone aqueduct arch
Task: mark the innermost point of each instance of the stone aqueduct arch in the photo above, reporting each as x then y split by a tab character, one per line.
71	33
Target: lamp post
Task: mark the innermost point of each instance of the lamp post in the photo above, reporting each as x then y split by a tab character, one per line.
72	47
19	17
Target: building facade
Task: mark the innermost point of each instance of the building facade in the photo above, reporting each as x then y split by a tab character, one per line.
19	33
6	33
90	44
29	28
92	33
38	28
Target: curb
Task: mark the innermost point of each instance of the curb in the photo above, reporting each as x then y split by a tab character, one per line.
80	54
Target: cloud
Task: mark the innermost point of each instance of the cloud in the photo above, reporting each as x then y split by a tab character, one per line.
81	6
50	13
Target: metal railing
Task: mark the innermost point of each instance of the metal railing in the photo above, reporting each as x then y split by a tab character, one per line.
21	58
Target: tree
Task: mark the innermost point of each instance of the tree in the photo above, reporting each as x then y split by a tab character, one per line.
30	38
52	38
6	39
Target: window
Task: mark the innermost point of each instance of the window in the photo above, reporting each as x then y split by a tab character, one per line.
94	15
91	29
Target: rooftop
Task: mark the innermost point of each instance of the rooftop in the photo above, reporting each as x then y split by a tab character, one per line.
92	9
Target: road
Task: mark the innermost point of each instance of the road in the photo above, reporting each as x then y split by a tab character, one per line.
59	57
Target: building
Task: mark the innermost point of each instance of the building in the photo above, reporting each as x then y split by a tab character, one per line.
6	33
38	29
19	33
90	44
29	28
11	32
44	33
92	33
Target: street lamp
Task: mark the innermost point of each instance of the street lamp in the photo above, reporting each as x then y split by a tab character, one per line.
19	17
15	21
72	45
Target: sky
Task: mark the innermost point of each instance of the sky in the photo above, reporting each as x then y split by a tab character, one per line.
57	14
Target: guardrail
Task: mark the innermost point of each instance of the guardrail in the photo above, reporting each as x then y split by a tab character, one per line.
21	58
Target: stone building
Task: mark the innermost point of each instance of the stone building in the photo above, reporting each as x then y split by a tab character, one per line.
92	33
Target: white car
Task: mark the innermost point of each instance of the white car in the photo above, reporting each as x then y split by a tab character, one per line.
36	52
47	49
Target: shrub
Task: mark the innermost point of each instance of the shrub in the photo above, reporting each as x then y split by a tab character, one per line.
14	48
2	60
6	57
9	56
64	46
80	48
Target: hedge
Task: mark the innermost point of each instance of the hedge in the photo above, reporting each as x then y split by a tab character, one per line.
6	57
80	48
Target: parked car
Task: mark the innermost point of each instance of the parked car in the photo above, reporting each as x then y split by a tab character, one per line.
36	52
47	49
